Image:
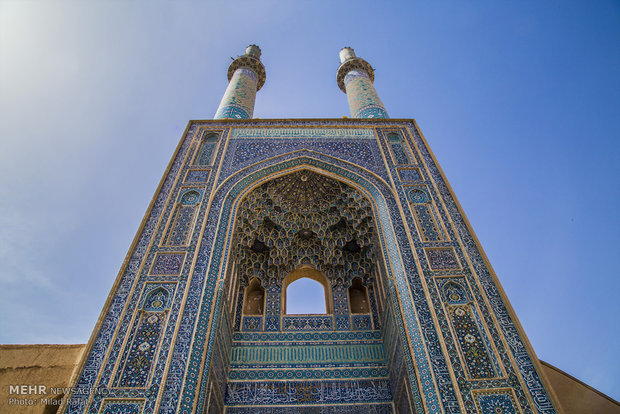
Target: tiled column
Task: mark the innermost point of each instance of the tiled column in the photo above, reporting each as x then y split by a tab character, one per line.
246	75
355	77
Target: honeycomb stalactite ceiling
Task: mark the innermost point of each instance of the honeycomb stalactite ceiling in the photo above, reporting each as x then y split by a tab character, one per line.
304	218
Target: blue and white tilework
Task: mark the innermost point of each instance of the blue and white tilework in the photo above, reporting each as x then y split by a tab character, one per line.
421	367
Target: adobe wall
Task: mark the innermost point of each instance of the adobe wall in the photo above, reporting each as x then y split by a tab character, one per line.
577	397
49	366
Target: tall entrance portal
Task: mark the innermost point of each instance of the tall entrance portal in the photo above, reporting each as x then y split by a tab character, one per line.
304	225
251	216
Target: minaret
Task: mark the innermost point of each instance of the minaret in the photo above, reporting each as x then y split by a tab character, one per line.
355	77
246	75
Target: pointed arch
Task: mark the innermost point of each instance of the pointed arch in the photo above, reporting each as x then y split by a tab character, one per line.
231	191
204	155
254	298
307	271
454	293
156	300
358	297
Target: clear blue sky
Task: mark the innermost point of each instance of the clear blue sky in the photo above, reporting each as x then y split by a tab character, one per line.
519	101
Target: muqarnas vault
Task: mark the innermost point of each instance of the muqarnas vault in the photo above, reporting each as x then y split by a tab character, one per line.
414	321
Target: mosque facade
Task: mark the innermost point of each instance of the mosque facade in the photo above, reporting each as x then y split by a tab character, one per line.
415	319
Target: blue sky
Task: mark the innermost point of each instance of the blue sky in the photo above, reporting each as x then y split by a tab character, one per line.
518	100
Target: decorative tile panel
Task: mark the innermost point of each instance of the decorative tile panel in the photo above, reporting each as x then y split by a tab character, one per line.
307	392
471	343
137	366
181	226
252	323
168	264
499	401
426	222
409	174
197	176
244	152
246	374
361	322
442	258
206	148
307	354
304	133
307	323
306	336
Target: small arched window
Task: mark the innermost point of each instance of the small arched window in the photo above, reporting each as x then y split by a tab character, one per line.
358	297
254	303
305	292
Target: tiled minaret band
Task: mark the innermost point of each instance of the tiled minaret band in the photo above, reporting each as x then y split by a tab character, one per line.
246	75
355	78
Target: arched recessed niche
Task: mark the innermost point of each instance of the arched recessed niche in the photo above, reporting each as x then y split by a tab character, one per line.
358	297
156	300
310	273
254	303
207	148
454	293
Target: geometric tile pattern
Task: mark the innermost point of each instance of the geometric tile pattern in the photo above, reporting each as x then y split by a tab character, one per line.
400	153
244	152
307	323
197	176
499	401
139	361
470	342
442	258
409	174
361	322
206	150
308	373
308	354
181	226
252	323
168	264
417	196
242	337
426	222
